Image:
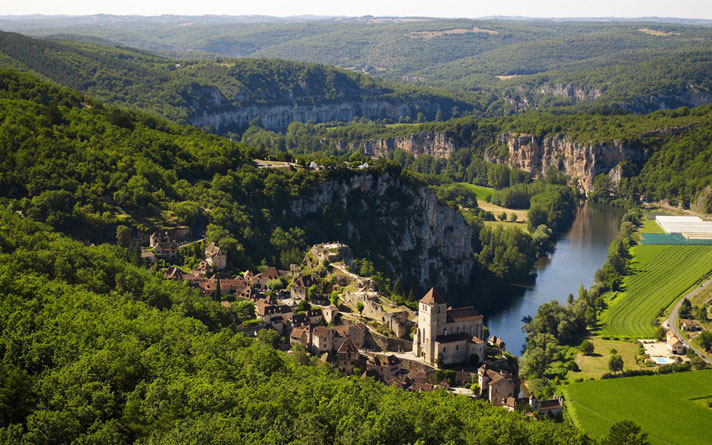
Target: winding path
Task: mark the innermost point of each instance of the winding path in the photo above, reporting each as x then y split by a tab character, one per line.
671	322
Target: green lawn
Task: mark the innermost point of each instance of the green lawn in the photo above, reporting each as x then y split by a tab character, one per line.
659	276
481	191
595	365
507	224
671	408
651	226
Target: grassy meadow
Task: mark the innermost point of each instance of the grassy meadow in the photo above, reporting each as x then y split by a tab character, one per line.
596	364
659	276
671	408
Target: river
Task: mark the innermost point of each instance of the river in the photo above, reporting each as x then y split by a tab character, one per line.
577	255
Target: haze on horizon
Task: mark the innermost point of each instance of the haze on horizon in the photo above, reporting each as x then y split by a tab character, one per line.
697	9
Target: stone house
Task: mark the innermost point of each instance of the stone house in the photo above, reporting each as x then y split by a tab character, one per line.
322	340
674	344
554	409
163	245
299	289
301	335
354	332
331	313
347	356
451	335
496	386
691	325
271	273
388	370
216	257
496	342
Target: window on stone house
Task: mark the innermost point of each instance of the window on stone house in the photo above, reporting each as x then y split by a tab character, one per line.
457	348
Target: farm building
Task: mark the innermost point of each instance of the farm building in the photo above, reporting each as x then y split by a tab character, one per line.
691	227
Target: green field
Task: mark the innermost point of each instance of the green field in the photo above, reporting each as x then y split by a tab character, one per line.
671	408
660	274
481	191
651	226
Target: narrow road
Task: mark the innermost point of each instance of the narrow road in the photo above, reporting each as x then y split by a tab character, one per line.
671	322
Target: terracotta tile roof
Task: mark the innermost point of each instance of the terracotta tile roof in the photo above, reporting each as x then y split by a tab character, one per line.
452	338
348	348
550	404
225	303
213	250
432	297
478	341
462	314
321	330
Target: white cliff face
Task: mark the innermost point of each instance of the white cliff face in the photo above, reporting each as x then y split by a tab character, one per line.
424	240
579	161
571	91
209	107
437	145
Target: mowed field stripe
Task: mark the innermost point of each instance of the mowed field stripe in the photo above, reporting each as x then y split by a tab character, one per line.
660	275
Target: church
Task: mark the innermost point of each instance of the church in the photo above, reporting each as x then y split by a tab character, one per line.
453	334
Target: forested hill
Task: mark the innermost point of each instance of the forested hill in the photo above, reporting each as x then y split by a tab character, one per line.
86	169
661	156
635	65
222	95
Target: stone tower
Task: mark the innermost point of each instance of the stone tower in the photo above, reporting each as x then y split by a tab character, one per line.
432	313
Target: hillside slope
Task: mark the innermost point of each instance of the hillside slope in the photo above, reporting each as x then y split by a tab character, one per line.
221	95
86	168
630	64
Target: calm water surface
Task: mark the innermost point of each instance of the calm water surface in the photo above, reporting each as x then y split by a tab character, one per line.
577	256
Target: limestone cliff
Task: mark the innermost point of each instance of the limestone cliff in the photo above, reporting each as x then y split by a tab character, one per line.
580	161
221	114
434	144
395	221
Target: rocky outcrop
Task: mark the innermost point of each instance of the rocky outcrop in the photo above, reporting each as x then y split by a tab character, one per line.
434	144
580	161
397	223
571	91
209	107
279	116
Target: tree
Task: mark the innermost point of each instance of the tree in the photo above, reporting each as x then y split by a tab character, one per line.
661	333
626	432
475	388
360	307
615	363
685	308
303	306
503	216
513	217
586	347
701	313
705	340
123	236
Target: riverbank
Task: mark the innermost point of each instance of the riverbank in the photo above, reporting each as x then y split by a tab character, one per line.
573	261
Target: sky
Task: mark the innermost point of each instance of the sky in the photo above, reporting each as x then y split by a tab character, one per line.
439	8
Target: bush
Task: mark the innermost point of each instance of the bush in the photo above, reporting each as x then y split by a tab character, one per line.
586	347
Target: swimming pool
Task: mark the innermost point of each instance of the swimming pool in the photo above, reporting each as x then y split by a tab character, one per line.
663	360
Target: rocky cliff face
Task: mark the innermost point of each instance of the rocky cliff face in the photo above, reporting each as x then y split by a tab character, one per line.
211	108
582	162
434	144
571	91
398	224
